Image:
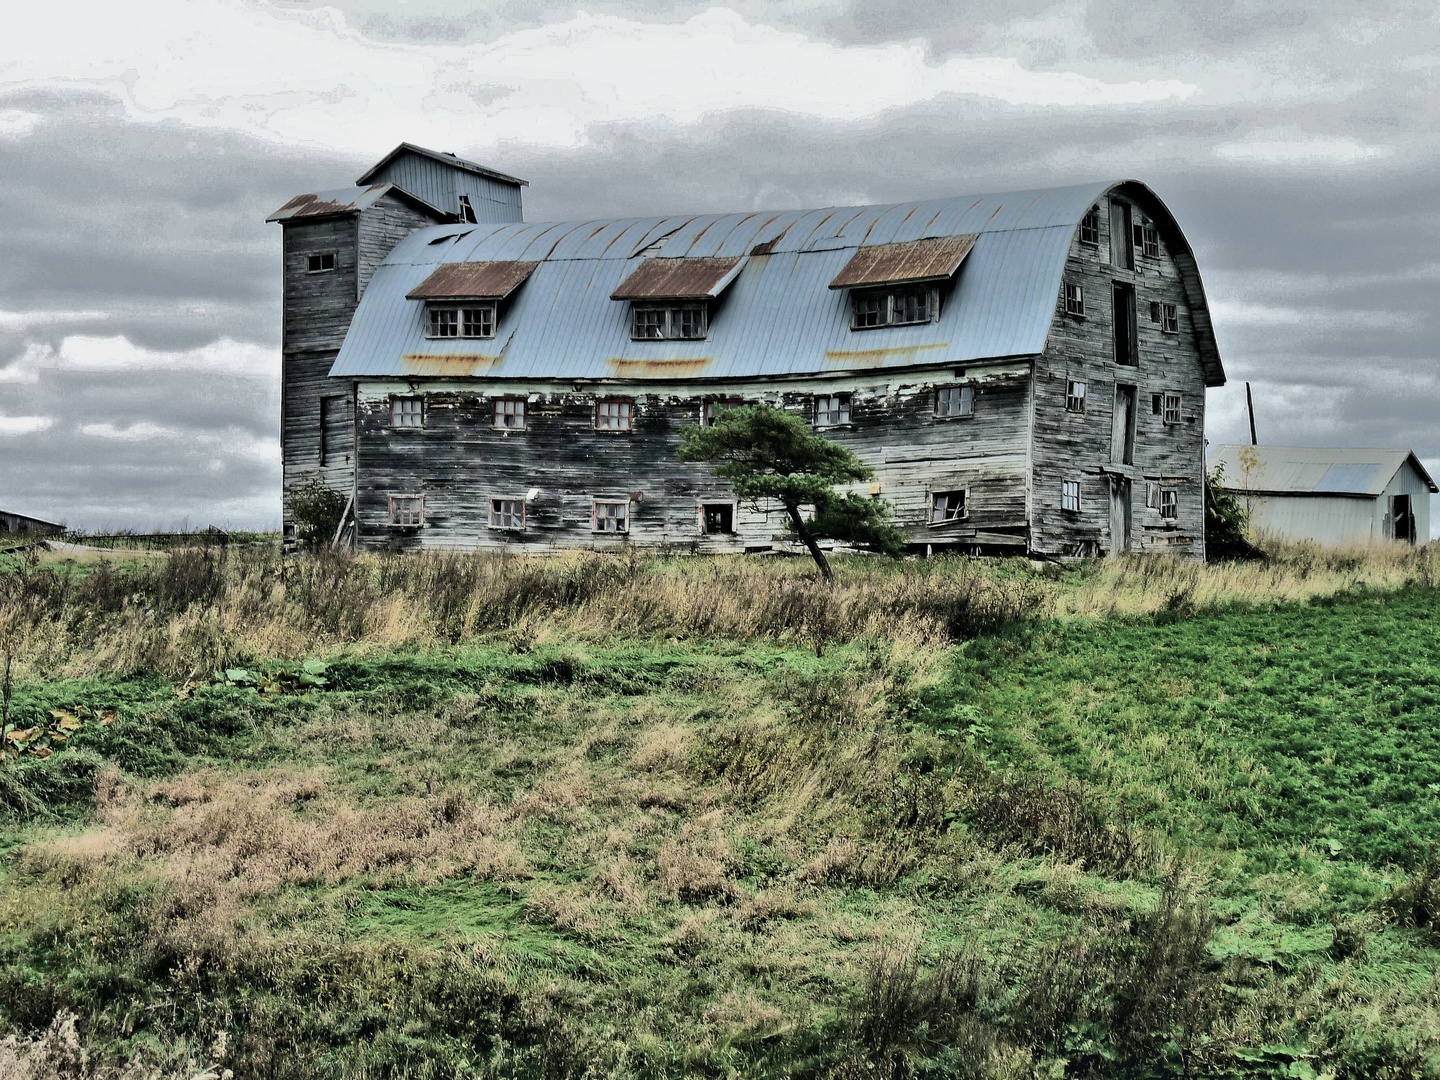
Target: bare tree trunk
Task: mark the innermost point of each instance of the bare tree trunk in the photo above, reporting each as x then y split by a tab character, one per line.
809	542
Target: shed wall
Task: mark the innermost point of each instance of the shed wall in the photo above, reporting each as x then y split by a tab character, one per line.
1333	520
440	185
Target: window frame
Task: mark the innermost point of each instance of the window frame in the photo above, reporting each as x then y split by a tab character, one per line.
842	408
964	512
397	402
711	409
459	317
317	263
887	310
595	517
966	394
1171	413
1074	294
628	415
497	510
467	211
1149	241
705	505
1122	254
1075	392
1169	318
392	509
1169	507
1070	494
497	407
1090	227
1129	319
671	322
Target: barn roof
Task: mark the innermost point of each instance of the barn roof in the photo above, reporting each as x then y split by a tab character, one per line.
345	201
1313	470
778	316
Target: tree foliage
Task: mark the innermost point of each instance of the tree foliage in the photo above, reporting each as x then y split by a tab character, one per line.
1226	519
316	509
766	453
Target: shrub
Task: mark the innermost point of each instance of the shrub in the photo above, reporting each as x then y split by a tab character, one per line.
315	507
1226	519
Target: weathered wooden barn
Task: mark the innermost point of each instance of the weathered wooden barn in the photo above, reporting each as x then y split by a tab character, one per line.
1025	372
25	525
1329	495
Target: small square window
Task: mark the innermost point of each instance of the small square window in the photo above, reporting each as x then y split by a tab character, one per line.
870	311
1172	408
717	517
612	415
955	401
1074	396
507	514
610	516
1070	496
1169	319
947	506
1090	227
407	510
690	323
407	412
649	323
318	264
832	409
510	414
477	322
1169	504
1074	300
912	306
443	323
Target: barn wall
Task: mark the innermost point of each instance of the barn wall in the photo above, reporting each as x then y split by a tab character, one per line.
383	225
458	461
440	185
1406	481
1333	520
1077	446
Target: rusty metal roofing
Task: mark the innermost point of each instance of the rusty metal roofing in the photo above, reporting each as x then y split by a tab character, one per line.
346	201
778	317
933	259
680	279
1313	470
473	281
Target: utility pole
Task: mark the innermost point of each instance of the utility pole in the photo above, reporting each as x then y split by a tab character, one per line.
1250	406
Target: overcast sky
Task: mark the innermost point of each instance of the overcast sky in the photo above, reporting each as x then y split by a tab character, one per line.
143	145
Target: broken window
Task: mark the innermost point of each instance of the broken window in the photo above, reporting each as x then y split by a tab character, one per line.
1074	299
1169	504
1074	396
894	307
1090	227
717	517
610	516
510	414
1124	329
467	212
711	409
1169	319
1157	404
407	412
687	322
1070	495
507	514
612	415
1148	241
1172	409
318	264
832	409
947	506
408	510
1122	240
955	401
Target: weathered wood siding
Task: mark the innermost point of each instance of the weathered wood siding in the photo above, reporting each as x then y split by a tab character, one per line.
381	227
458	461
1077	446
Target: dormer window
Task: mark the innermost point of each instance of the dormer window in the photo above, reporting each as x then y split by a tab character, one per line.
462	300
900	284
898	307
663	322
468	321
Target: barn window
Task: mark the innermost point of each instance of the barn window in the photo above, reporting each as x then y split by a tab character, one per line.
1157	404
510	414
1124	328
1090	227
507	514
407	412
443	322
610	516
318	264
1070	495
894	307
955	401
471	321
1169	504
1122	241
717	517
1148	241
1169	319
712	409
407	510
1172	409
1074	300
467	212
613	415
687	322
1075	396
832	409
947	506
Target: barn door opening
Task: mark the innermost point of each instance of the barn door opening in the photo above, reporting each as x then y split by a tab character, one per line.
1119	515
1402	517
1122	435
1125	329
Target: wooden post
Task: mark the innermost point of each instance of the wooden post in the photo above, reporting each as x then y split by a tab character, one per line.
1250	407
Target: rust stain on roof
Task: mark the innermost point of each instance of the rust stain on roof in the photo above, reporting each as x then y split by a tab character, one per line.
473	281
932	259
880	357
657	369
679	279
457	365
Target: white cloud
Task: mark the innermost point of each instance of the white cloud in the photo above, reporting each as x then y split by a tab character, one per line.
226	356
307	76
24	425
131	433
17	123
1266	148
1229	313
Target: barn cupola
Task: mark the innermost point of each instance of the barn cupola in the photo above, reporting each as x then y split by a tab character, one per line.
463	189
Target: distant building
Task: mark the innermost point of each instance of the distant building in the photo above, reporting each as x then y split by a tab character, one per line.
1331	496
1025	372
26	525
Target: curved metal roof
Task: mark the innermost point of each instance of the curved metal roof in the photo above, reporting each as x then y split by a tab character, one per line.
778	318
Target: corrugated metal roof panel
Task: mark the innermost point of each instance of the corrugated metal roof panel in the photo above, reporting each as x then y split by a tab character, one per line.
1358	477
1327	470
473	280
322	203
679	279
933	259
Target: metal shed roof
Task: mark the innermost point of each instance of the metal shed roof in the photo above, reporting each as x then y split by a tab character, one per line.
444	159
1313	470
779	316
345	201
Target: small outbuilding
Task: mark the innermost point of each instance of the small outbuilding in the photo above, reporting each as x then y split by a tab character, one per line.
26	525
1330	496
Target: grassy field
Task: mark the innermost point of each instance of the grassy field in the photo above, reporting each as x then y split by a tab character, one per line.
453	816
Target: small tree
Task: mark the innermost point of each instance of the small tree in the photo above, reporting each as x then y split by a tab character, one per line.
315	508
1226	518
766	453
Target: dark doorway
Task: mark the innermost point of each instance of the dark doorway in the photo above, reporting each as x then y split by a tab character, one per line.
1123	313
1122	240
1402	515
1122	435
1119	515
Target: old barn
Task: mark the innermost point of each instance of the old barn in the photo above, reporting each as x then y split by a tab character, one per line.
1025	371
